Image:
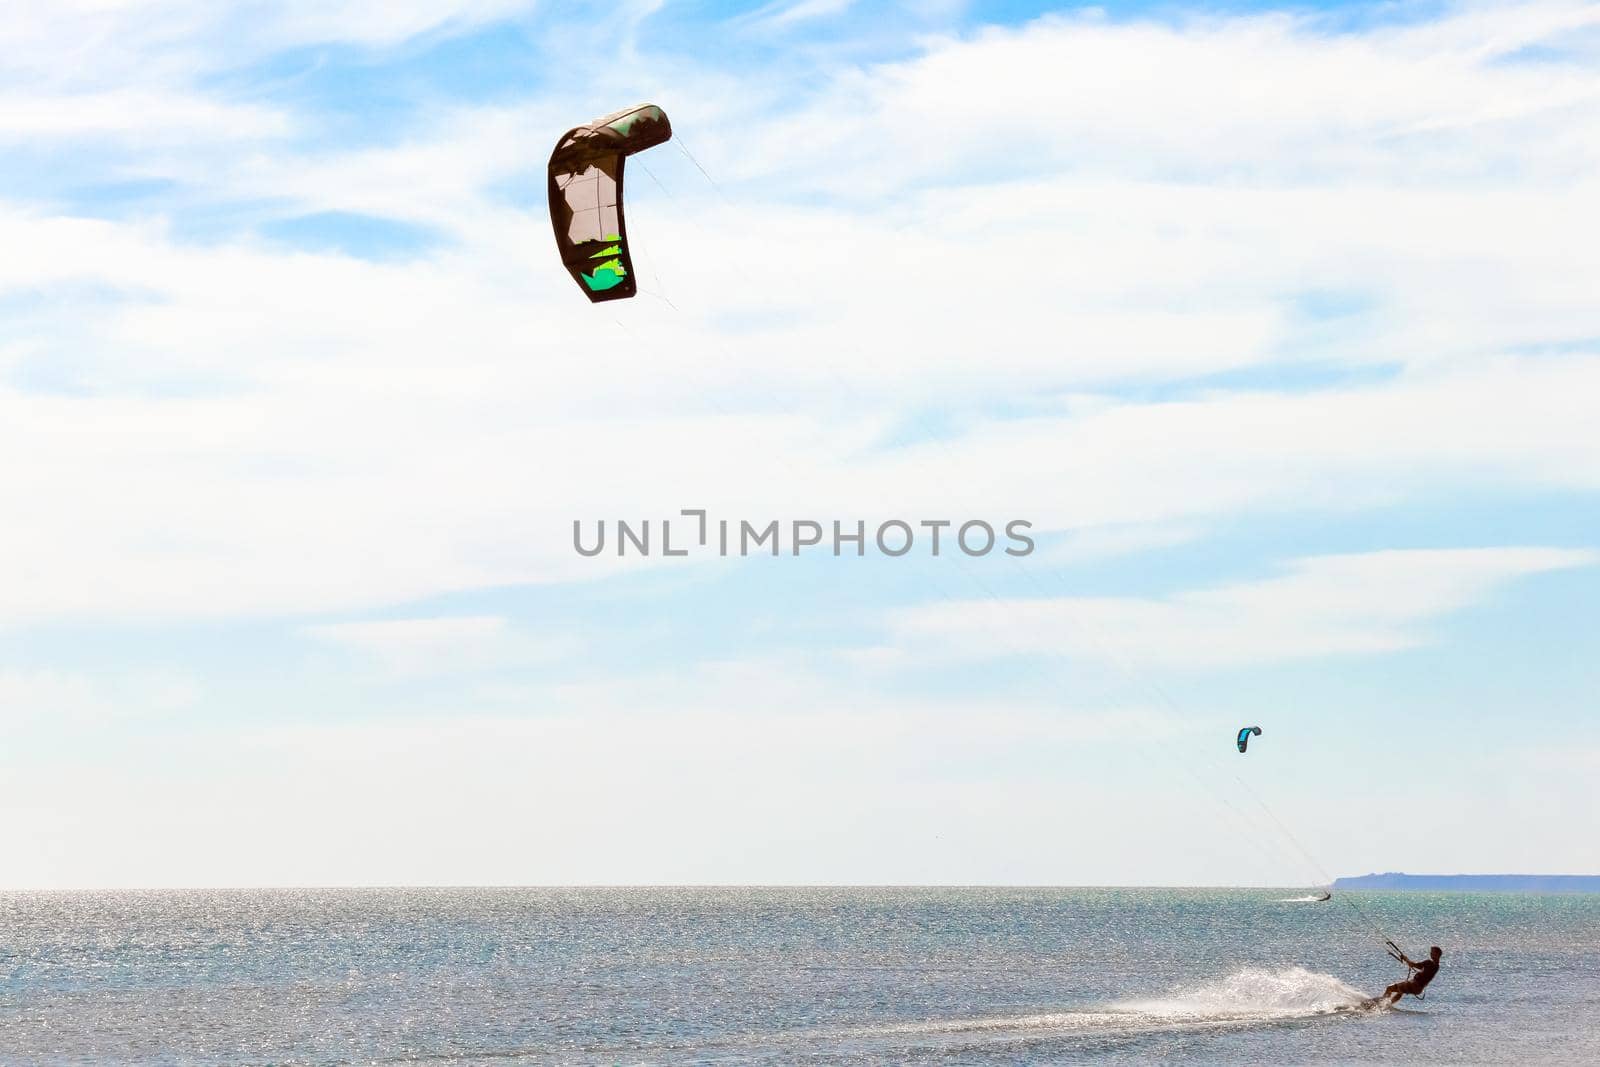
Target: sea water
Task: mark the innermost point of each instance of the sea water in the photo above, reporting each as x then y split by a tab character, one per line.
811	975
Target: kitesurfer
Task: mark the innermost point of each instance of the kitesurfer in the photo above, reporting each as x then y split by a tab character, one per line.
1418	981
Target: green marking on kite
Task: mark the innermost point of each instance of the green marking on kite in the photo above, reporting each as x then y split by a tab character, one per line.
605	276
614	250
646	114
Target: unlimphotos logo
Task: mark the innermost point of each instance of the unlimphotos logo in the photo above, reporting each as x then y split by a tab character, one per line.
741	537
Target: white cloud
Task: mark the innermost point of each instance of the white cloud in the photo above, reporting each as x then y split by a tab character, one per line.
1324	606
1105	542
55	698
467	453
782	15
140	115
676	779
443	644
1273	95
411	633
383	22
664	779
86	42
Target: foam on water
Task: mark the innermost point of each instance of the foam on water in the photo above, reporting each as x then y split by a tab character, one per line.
1256	992
1251	995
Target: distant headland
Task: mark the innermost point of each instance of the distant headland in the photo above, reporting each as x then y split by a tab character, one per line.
1477	883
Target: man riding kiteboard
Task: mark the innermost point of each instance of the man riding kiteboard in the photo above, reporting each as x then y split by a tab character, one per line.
1416	982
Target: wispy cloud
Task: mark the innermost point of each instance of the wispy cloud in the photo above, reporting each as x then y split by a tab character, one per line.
147	117
1324	606
65	700
788	12
443	644
617	783
84	42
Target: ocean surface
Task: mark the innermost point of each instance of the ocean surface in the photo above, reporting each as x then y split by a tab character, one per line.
736	975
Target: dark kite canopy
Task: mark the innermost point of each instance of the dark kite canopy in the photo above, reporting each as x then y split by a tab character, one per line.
586	197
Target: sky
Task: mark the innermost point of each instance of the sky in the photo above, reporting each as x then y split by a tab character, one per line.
1276	323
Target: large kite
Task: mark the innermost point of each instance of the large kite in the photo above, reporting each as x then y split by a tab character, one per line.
586	197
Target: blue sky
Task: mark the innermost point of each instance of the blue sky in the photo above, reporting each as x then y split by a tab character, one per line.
1277	323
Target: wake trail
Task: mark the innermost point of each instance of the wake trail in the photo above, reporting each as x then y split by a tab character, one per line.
1248	997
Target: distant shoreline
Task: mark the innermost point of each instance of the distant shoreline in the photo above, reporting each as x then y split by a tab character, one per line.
1504	883
1476	883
